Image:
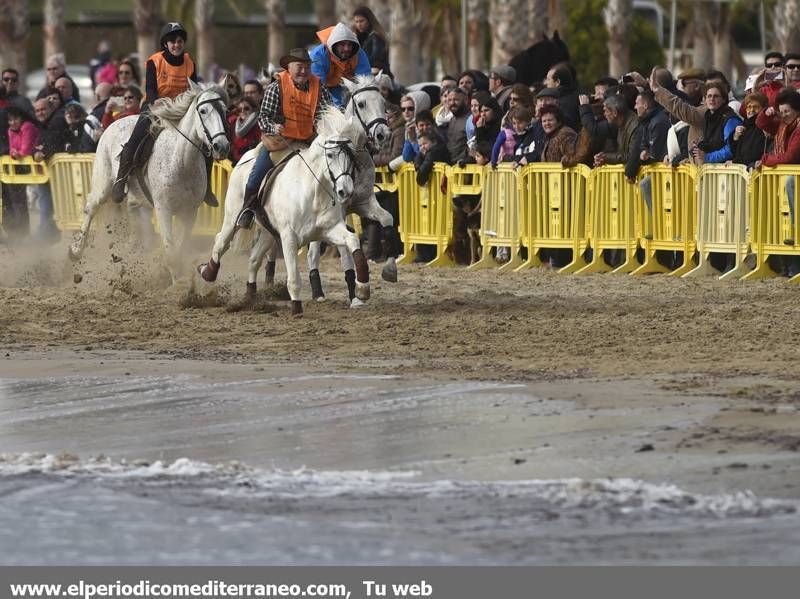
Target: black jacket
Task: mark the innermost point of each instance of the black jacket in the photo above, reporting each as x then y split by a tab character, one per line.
424	162
53	136
750	146
652	136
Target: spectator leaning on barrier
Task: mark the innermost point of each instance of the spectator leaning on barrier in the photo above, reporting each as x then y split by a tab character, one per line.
52	139
559	138
454	132
651	147
488	126
617	114
22	135
77	138
749	142
720	122
423	123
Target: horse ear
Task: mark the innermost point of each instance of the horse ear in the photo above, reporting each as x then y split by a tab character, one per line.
193	85
350	85
378	74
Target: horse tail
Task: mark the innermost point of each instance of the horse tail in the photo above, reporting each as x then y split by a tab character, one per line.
244	239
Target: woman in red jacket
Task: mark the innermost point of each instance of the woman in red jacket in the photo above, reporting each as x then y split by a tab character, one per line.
243	126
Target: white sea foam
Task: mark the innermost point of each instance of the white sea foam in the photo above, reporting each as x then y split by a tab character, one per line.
620	496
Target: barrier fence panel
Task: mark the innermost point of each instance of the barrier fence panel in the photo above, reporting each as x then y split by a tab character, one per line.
500	216
467	179
209	219
552	210
23	171
671	220
774	223
385	180
426	215
610	214
723	207
70	183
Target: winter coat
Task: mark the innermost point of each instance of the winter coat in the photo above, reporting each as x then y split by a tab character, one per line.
787	140
626	138
559	144
376	49
393	149
77	141
682	110
749	148
455	136
652	137
25	140
424	162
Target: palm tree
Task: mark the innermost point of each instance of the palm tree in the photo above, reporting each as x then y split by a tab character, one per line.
404	51
204	26
557	17
345	9
146	20
723	50
325	11
785	23
14	31
703	35
509	21
53	27
276	23
537	20
618	16
477	26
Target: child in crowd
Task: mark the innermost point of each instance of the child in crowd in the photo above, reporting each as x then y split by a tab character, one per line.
77	140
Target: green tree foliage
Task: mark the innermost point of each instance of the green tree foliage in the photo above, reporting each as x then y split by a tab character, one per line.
587	39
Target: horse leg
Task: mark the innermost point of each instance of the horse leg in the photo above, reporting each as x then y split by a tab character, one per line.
317	293
349	266
289	243
339	235
374	211
97	197
272	253
257	253
164	218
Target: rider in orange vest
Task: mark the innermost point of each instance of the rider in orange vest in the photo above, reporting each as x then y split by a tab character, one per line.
167	76
289	112
339	55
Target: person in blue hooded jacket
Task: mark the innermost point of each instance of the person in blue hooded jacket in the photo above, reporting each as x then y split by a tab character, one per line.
339	55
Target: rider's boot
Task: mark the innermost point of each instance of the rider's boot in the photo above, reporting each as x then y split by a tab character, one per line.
316	286
248	213
118	191
209	198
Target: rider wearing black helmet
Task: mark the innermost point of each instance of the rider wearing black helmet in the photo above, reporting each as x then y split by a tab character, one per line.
167	75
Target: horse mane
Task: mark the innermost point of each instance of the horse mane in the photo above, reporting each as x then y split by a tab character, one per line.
171	111
333	123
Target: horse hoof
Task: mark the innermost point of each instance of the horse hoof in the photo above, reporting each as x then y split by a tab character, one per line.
209	270
250	293
75	253
357	303
389	273
362	291
297	309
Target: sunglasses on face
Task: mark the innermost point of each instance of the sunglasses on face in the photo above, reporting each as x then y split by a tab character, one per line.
774	65
10	79
793	66
407	109
128	98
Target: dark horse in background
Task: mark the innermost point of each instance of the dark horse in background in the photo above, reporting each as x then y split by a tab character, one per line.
532	64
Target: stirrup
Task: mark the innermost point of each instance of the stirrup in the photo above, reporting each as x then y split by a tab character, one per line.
118	190
246	218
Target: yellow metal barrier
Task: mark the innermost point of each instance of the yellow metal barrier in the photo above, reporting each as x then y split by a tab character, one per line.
24	171
610	214
774	226
209	220
466	180
673	222
385	180
722	198
499	216
552	210
426	214
70	183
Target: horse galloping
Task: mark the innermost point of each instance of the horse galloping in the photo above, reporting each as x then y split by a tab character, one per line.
300	205
188	128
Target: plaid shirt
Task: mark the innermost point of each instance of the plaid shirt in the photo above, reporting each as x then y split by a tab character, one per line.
271	112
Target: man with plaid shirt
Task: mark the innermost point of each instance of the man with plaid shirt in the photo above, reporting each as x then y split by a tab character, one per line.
289	113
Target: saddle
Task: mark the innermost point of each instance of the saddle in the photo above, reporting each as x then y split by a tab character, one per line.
263	193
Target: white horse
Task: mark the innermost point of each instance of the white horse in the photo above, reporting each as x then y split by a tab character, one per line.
304	202
367	106
192	126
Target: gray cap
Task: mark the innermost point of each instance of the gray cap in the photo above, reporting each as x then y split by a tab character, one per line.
506	73
548	92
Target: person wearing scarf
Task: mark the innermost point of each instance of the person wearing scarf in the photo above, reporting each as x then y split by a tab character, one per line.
720	122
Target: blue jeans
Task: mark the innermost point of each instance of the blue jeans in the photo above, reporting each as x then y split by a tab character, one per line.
261	167
790	194
46	212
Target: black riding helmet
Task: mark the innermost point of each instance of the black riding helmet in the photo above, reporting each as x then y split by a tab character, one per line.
171	30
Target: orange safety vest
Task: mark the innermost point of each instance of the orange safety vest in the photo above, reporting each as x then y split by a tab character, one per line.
298	106
172	81
339	68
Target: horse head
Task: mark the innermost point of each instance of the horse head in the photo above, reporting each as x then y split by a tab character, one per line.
210	104
368	106
337	137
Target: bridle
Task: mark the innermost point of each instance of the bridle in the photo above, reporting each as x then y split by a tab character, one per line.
381	120
206	148
342	146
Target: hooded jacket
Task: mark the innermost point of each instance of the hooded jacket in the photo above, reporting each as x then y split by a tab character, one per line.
330	68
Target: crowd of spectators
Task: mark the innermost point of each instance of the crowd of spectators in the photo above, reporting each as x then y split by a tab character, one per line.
636	120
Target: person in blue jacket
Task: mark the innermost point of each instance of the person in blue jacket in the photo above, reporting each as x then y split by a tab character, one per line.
720	122
339	55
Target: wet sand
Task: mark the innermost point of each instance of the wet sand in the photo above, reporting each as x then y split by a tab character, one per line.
702	371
